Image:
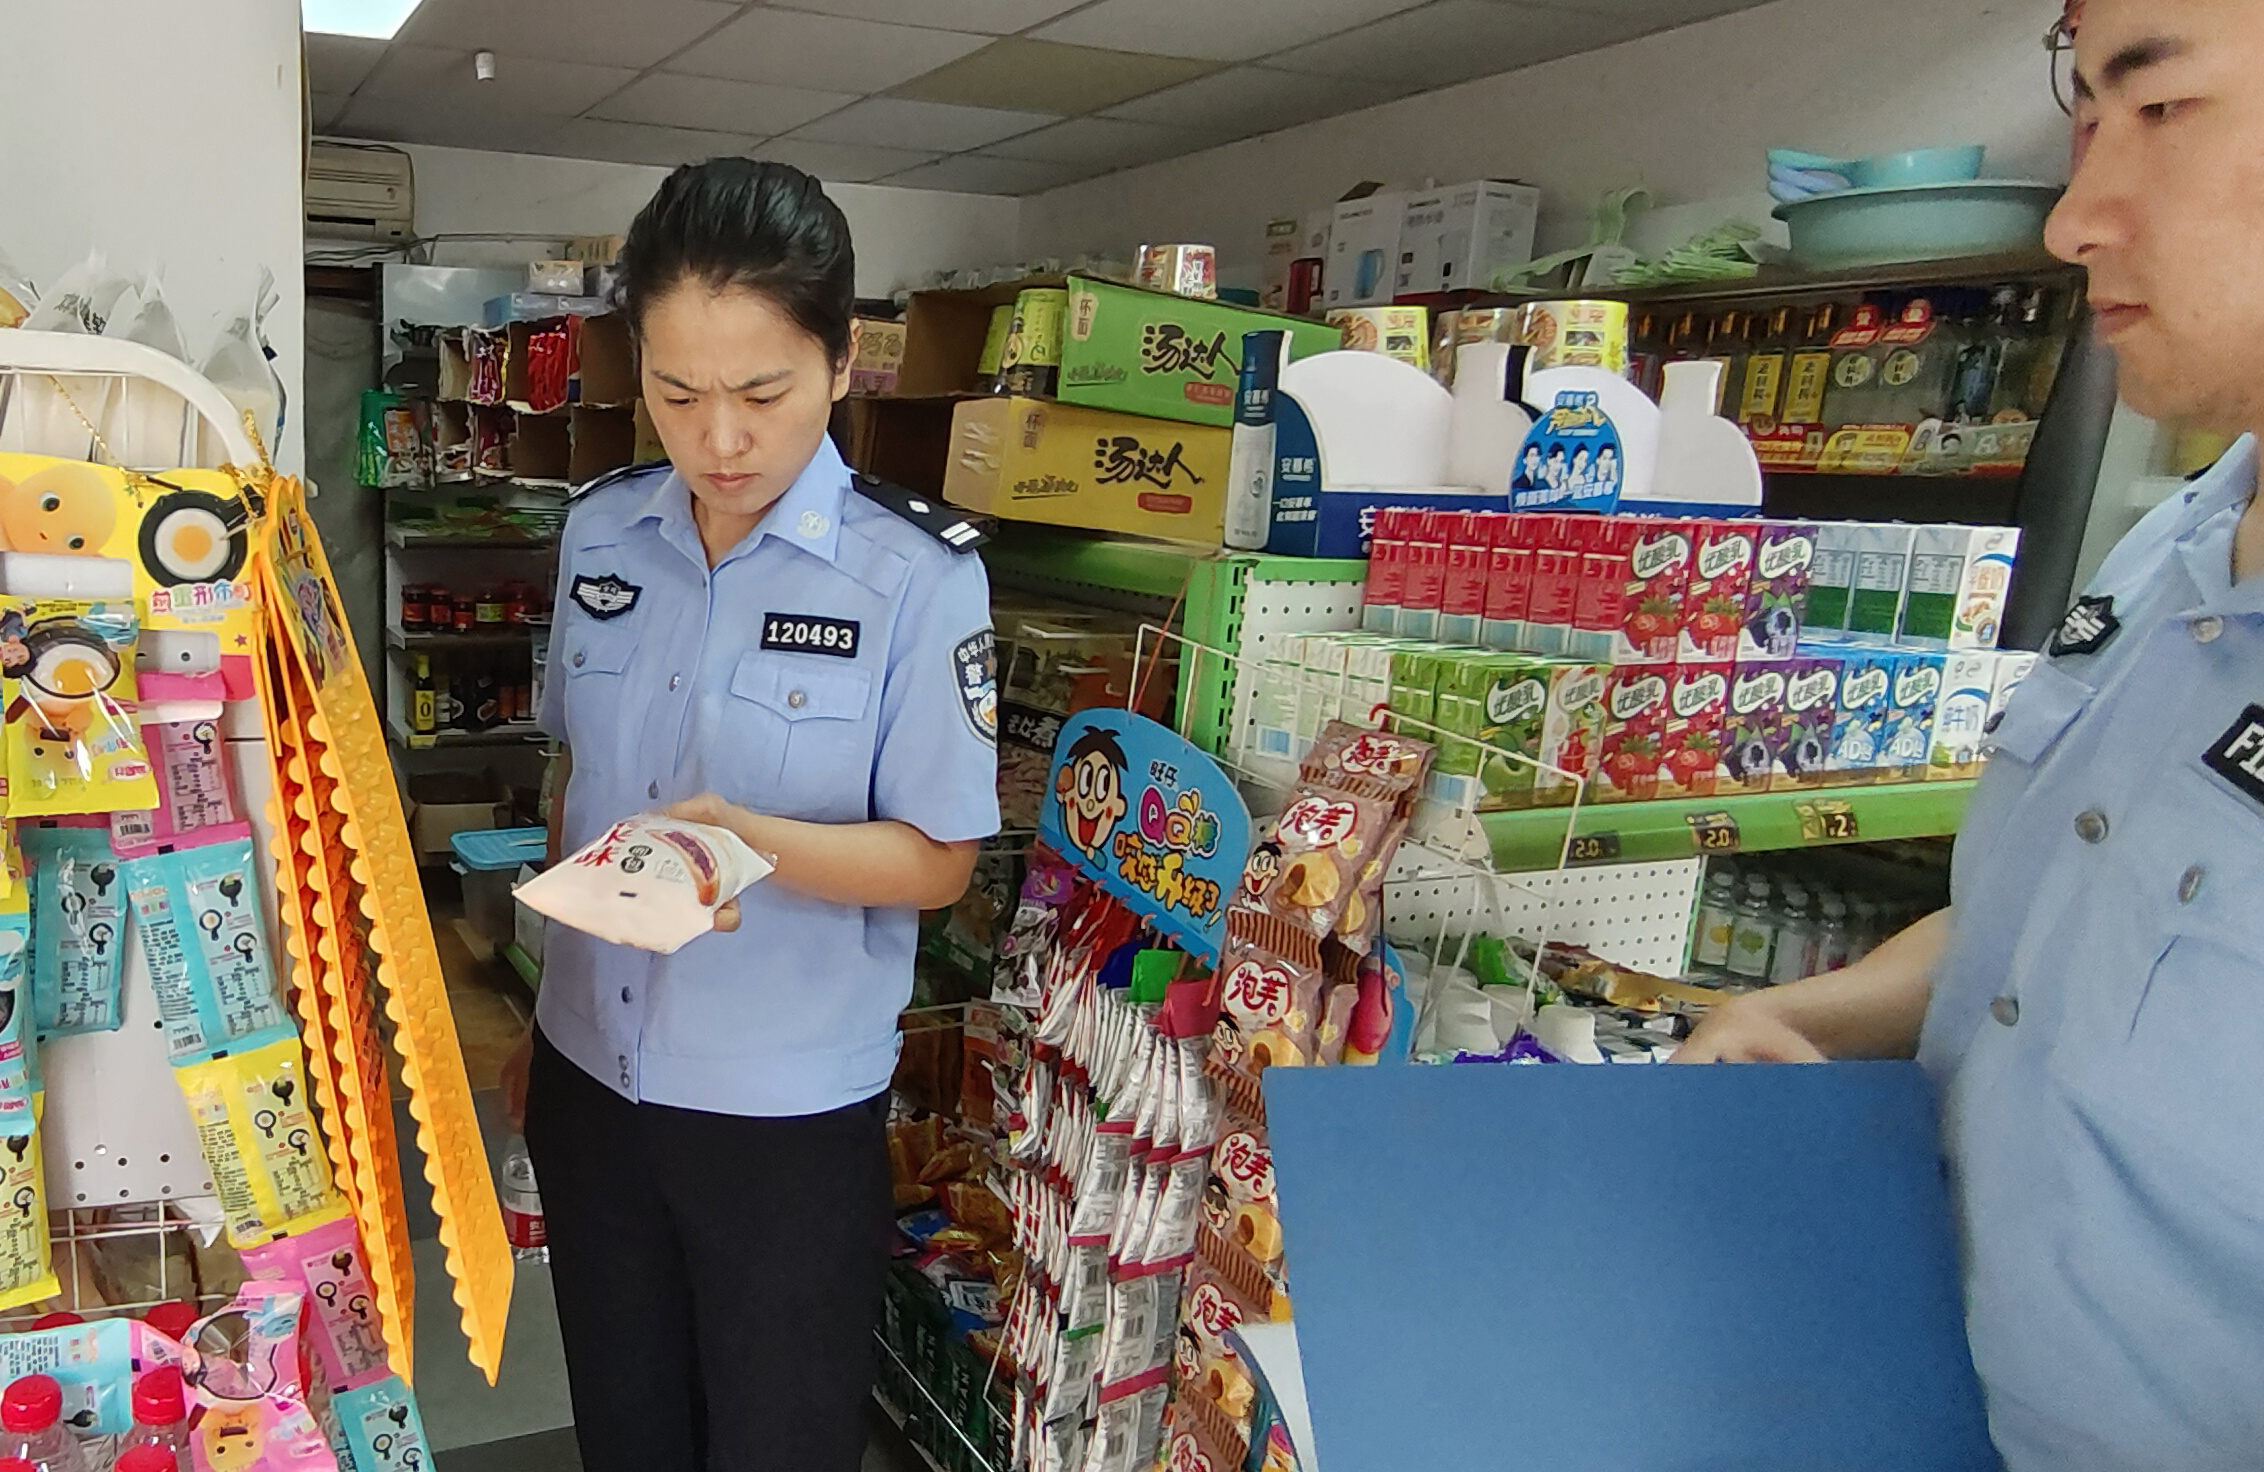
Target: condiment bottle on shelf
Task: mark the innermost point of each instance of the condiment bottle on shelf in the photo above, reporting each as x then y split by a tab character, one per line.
31	1415
161	1421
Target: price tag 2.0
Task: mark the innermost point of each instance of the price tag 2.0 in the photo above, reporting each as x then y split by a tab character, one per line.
1827	820
1593	848
1715	833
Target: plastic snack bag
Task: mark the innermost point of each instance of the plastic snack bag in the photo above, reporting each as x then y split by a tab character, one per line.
326	1265
383	1429
194	802
93	1362
78	929
652	882
74	744
18	1061
27	1272
148	424
243	1366
199	916
255	1123
52	415
238	366
17	295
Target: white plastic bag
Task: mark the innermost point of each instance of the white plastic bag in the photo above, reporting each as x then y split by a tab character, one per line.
239	367
51	416
17	294
148	423
651	881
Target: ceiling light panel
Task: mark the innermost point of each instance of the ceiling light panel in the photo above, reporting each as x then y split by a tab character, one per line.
634	33
1235	31
822	51
375	20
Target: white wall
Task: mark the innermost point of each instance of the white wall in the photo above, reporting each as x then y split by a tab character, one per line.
1689	112
168	136
901	234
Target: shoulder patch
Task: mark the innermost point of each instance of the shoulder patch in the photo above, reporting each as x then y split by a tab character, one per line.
974	668
949	525
2089	627
613	477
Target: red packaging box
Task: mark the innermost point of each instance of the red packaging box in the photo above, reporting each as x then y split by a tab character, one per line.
1469	557
1559	563
1509	582
1631	595
1690	747
1713	602
1426	574
1387	572
1635	718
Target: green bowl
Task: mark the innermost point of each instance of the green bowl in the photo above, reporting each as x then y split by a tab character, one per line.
1924	222
1919	166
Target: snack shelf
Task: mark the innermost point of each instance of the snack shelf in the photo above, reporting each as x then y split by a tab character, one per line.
511	734
515	635
1082	565
1650	832
406	540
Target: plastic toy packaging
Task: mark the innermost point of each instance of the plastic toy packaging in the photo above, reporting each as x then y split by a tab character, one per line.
17	1032
255	1124
27	1272
254	1415
74	744
652	882
198	913
94	1363
194	803
326	1265
382	1427
78	929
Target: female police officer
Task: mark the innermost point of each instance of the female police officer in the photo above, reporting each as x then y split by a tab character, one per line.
750	637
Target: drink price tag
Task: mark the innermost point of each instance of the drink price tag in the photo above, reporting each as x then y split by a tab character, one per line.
1593	848
1715	833
1827	820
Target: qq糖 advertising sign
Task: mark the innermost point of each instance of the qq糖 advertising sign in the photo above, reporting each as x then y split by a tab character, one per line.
1150	817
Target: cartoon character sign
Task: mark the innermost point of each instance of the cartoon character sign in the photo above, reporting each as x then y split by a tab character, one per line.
67	510
1581	460
1090	789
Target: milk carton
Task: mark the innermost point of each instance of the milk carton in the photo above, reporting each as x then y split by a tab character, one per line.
1907	739
1275	681
1753	727
1831	578
1958	578
2012	668
1866	685
1882	578
1961	715
1811	711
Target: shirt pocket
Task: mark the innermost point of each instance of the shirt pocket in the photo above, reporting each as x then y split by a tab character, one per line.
594	661
2043	709
811	755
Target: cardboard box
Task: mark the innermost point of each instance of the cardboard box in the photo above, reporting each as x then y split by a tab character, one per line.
1363	259
444	804
1461	237
1831	578
1690	743
1509	582
1309	521
1633	582
1560	562
1165	356
1415	671
1283	237
598	439
1032	460
1881	578
1425	593
1635	718
1906	743
558	278
1753	727
1386	587
1271	730
1469	559
1958	580
944	333
876	360
1811	708
1572	736
904	441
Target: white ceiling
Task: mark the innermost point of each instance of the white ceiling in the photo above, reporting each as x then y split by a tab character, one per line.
985	96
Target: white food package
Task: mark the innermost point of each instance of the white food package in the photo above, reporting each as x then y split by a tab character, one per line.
651	881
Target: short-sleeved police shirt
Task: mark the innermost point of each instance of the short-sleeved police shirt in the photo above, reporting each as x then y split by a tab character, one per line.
835	667
2098	1021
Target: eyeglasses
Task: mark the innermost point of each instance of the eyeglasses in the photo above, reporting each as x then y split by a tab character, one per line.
2059	41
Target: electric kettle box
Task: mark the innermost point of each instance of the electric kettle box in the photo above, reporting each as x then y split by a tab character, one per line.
1363	259
1459	238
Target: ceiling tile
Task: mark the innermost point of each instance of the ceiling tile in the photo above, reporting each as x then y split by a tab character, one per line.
523	86
718	106
824	51
642	143
339	64
1110	143
324	109
894	122
1044	76
1452	41
989	17
1244	100
971	173
1235	31
1659	15
843	163
609	32
409	120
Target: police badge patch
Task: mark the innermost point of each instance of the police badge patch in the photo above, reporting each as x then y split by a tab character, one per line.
974	668
605	597
2089	627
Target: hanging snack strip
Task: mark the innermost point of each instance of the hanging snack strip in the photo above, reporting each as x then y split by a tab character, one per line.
343	743
78	928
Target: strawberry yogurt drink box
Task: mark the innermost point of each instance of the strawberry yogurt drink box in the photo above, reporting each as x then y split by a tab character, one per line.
1509	581
1559	562
1387	572
1713	603
1690	742
1469	558
1630	606
1426	574
1634	726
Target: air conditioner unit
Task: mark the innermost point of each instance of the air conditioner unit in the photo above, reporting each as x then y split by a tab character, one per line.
360	193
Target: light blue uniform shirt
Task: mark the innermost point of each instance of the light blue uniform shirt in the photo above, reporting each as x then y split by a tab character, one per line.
835	667
2098	1023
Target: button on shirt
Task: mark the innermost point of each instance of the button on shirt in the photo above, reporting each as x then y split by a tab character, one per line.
2098	1022
831	668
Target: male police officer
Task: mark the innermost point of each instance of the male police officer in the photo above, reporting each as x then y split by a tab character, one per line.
2093	1003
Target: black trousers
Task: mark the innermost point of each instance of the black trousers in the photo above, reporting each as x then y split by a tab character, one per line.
718	1277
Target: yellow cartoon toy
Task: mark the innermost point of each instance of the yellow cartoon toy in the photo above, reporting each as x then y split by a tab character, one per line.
67	509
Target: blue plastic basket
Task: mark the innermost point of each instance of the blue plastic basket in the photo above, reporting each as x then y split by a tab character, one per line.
488	850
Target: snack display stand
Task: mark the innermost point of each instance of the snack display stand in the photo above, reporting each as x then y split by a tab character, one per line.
346	937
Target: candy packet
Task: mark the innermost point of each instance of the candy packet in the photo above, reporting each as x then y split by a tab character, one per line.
1047	887
18	1045
326	1265
198	913
194	803
78	929
27	1271
93	1362
1274	1003
652	882
383	1429
255	1123
1327	841
74	742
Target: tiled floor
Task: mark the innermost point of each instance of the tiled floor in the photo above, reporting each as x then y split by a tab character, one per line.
524	1423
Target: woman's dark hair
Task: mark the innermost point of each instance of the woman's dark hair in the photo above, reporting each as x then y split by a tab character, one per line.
767	227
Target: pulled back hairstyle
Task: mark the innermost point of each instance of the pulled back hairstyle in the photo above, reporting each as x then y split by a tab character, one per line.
736	222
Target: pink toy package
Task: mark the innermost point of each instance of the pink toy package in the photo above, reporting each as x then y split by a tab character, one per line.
195	805
326	1265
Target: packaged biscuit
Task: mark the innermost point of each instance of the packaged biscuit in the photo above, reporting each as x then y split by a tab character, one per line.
74	742
255	1123
652	882
199	916
78	929
1357	761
